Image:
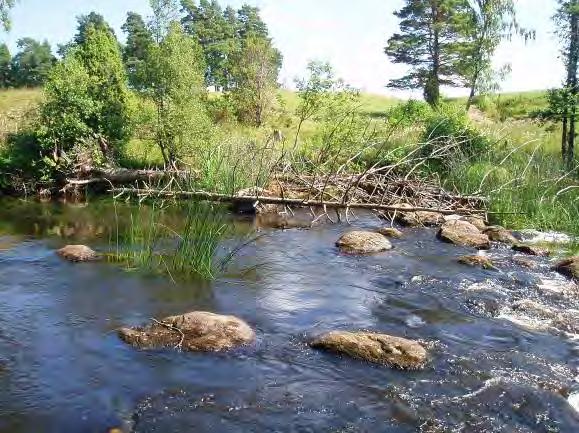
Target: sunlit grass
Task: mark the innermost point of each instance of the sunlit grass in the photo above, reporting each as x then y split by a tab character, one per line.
181	249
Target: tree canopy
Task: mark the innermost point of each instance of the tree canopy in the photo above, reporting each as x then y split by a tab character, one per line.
430	38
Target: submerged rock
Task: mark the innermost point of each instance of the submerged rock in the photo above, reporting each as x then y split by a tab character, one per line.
253	207
391	232
78	253
531	250
281	222
194	332
376	348
568	267
500	234
526	262
481	261
361	242
465	234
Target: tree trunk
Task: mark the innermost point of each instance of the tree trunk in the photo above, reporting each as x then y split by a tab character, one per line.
572	68
432	86
564	135
471	96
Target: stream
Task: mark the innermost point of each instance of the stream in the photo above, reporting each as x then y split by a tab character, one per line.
503	344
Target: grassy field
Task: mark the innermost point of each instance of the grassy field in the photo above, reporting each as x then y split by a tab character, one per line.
514	106
14	104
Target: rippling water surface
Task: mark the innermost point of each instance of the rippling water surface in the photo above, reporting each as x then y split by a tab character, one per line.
504	353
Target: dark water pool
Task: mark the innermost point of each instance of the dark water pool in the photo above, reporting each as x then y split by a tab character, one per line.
493	368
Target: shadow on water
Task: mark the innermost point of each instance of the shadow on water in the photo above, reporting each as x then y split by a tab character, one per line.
494	365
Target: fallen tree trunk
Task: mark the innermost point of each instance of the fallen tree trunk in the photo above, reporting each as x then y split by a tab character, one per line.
124	176
225	198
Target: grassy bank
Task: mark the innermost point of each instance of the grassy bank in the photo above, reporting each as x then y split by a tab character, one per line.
518	166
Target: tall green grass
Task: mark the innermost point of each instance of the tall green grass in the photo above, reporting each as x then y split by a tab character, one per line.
526	188
180	248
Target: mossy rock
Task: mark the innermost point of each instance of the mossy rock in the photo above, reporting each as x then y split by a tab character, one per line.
193	332
376	348
78	253
362	242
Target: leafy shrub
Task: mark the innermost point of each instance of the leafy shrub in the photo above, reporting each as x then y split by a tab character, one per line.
22	165
448	136
411	113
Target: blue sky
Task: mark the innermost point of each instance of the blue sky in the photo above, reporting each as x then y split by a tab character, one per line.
350	35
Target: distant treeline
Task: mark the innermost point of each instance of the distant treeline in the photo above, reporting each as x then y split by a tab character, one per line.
220	33
27	68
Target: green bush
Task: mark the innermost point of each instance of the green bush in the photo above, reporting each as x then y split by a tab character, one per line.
449	136
411	113
22	166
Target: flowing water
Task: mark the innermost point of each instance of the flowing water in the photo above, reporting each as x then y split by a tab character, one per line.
504	353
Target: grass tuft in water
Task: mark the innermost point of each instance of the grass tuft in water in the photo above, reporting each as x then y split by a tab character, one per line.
182	248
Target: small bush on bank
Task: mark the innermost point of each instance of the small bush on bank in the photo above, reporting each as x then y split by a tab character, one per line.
448	135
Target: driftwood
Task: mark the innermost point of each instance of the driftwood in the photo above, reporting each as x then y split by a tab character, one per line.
297	202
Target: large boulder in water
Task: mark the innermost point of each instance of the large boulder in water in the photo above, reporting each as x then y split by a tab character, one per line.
78	253
464	234
568	267
376	348
500	234
361	242
195	332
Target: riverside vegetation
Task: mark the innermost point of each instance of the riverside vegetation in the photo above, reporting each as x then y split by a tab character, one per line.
146	105
185	123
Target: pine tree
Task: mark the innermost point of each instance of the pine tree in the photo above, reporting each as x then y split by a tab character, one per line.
94	20
5	67
250	23
136	49
430	38
208	25
31	65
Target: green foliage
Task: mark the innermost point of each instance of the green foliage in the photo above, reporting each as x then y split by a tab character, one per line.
449	138
528	189
314	92
86	97
181	251
5	6
175	70
486	26
255	73
86	22
430	41
69	109
208	24
136	49
23	169
5	67
408	114
30	67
